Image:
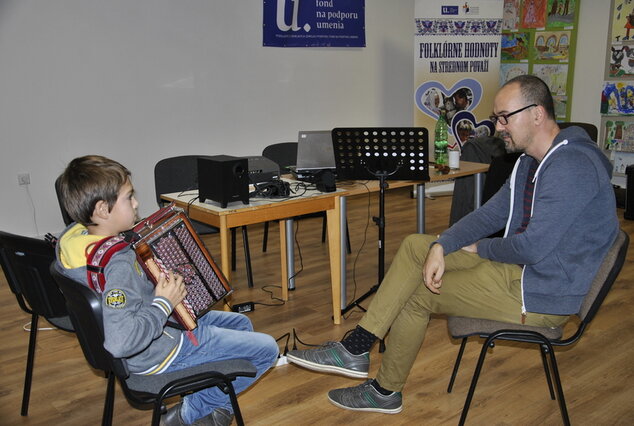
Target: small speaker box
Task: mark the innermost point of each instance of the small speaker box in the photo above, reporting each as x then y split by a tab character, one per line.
223	178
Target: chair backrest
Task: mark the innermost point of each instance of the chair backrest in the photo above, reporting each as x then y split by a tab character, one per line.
605	277
84	308
67	219
284	154
175	174
591	129
25	263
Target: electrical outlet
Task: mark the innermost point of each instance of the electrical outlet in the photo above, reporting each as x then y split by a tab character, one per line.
24	179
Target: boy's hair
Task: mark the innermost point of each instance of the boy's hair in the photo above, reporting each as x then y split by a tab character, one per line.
535	91
88	180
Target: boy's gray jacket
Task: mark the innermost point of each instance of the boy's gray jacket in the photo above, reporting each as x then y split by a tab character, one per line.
573	224
134	320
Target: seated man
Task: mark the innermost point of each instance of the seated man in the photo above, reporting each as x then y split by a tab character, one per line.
559	212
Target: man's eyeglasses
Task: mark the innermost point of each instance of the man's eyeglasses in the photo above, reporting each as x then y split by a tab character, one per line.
504	118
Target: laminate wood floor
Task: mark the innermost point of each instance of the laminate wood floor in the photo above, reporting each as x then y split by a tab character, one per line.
597	372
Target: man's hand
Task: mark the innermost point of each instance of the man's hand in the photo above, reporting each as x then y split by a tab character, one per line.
434	268
171	288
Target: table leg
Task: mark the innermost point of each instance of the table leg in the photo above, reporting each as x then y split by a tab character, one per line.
225	255
334	247
477	194
420	208
283	259
290	252
343	212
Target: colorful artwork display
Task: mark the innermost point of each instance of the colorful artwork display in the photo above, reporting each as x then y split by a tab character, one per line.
511	15
618	98
622	21
543	43
515	46
508	71
533	14
561	13
552	45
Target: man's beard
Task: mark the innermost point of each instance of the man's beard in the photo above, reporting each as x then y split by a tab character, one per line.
509	144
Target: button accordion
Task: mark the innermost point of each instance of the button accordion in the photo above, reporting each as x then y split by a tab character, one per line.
166	241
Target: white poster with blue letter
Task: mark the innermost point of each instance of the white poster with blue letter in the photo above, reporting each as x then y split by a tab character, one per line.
457	65
314	23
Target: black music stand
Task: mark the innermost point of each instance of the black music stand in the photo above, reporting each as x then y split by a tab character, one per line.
371	153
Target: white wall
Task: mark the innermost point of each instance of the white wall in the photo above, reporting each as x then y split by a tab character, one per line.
145	79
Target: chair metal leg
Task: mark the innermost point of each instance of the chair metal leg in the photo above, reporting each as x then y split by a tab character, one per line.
265	238
247	256
543	351
476	375
234	402
30	359
560	390
108	406
456	365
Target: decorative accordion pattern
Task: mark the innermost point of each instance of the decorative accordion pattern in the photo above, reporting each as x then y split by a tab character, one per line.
166	241
178	252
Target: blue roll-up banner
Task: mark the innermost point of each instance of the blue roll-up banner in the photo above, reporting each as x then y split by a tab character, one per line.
314	23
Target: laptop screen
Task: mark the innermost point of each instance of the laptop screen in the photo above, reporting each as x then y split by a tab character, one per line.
314	150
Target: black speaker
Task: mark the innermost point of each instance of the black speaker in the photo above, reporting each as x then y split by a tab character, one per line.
224	179
629	193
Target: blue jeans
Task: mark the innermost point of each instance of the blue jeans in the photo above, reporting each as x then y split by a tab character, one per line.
222	336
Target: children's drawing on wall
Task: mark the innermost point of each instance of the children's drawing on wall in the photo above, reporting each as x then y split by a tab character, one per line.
509	71
617	98
561	13
515	46
511	15
623	21
555	76
621	61
552	45
534	14
618	136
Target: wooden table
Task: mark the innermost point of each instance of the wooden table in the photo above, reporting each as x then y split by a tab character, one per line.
258	211
334	204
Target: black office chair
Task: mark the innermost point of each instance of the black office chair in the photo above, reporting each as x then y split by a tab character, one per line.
285	155
141	391
25	263
545	337
180	174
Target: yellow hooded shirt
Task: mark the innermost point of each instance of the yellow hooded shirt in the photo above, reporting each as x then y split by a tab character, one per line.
74	245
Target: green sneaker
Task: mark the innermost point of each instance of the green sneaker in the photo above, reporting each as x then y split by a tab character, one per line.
332	357
365	398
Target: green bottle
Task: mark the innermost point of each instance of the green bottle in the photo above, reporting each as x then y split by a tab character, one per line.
440	139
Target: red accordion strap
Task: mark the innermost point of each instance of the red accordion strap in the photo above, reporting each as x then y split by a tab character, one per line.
98	258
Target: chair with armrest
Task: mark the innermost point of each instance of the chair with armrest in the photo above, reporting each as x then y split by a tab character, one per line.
545	337
285	155
180	174
141	391
25	261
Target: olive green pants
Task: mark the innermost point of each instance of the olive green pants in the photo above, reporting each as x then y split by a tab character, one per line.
471	287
